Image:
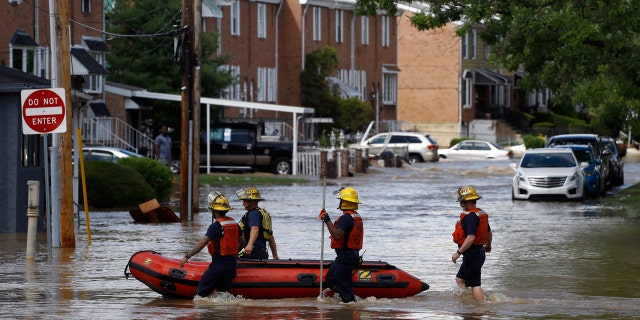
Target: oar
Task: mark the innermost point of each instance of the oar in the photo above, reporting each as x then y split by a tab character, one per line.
324	193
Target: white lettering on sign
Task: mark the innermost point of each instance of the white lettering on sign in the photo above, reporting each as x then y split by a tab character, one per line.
48	111
41	121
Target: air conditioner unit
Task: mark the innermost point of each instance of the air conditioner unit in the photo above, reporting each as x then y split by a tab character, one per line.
15	2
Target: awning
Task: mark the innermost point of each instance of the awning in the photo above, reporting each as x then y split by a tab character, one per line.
23	39
99	109
82	63
210	9
390	69
95	44
489	78
346	90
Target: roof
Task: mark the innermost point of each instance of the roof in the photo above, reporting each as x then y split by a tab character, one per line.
22	38
82	63
95	44
488	77
12	79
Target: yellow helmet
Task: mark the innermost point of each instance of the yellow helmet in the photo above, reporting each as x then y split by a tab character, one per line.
348	194
249	193
218	202
467	193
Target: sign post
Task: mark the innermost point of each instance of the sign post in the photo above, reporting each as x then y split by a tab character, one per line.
43	111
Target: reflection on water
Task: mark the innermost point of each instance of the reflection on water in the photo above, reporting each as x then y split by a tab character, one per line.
549	259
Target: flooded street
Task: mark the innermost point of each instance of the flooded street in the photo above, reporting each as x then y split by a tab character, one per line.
549	260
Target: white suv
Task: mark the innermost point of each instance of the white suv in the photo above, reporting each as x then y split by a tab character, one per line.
416	147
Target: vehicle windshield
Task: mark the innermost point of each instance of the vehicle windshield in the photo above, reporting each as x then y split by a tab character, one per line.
583	156
548	160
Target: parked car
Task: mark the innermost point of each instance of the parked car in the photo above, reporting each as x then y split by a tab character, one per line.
475	149
416	147
107	153
553	173
591	139
594	180
616	169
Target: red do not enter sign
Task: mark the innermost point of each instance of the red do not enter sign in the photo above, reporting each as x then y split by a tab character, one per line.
43	111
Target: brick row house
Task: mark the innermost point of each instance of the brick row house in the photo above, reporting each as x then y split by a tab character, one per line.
449	89
268	42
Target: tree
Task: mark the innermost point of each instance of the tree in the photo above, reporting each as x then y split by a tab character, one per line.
142	53
325	99
586	51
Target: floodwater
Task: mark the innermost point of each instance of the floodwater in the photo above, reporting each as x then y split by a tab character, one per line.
556	260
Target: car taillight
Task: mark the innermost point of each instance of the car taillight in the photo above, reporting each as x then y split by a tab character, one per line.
431	147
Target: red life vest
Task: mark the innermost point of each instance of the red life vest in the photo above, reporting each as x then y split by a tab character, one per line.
228	244
354	236
482	234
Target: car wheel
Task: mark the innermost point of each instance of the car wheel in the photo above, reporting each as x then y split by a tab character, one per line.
414	159
281	166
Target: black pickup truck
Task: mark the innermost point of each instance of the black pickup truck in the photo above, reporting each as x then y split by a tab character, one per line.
241	146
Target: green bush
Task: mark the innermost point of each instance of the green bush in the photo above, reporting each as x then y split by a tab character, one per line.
531	141
156	174
110	185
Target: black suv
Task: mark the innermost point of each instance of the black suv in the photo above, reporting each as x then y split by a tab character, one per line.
616	169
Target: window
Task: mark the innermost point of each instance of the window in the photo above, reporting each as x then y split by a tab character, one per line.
364	21
233	91
86	6
487	50
262	83
262	21
266	84
385	31
271	85
235	18
464	43
465	89
94	83
389	88
317	25
31	150
473	44
339	25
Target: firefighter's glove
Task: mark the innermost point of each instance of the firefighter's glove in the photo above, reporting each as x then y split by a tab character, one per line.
324	216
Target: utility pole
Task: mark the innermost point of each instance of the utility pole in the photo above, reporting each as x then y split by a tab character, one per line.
190	115
65	140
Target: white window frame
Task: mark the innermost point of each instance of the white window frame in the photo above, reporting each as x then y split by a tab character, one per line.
232	92
235	18
262	84
272	84
317	23
262	21
464	45
364	22
339	26
389	88
474	44
466	89
487	50
385	31
86	6
94	82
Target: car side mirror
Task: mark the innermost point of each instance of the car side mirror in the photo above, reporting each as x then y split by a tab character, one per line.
585	164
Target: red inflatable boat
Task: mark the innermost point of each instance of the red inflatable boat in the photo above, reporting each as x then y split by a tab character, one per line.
269	279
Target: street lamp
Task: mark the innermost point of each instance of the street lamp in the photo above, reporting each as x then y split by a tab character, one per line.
332	140
341	139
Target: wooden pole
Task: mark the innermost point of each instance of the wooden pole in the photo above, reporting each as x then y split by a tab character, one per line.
197	50
65	140
186	67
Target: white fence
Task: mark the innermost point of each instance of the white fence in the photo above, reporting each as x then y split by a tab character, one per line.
309	163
